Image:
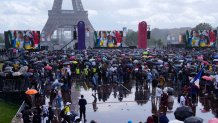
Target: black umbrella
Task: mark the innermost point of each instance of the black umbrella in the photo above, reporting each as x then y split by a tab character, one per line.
182	113
193	120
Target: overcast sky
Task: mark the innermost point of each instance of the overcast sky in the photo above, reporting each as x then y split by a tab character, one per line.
113	14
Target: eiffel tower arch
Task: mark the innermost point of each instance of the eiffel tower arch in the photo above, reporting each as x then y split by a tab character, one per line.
61	21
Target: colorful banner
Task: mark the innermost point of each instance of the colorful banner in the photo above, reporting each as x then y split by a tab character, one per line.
22	39
206	38
108	38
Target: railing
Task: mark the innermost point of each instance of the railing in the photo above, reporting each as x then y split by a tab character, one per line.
18	116
66	45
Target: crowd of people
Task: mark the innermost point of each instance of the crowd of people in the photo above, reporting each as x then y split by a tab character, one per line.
168	73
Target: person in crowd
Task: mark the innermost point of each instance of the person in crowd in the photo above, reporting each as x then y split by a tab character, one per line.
162	81
82	103
26	113
50	115
159	93
67	112
182	100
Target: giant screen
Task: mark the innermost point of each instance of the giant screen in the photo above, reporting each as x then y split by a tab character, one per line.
25	39
206	38
108	38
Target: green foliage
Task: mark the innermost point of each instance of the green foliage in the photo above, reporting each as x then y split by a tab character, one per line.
1	39
132	38
8	111
203	26
157	43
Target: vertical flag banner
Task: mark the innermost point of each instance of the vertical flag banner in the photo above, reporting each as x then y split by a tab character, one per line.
81	35
142	35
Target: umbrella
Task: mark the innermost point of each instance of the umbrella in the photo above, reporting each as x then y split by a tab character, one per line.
31	92
214	120
8	68
115	65
193	120
150	56
72	58
215	60
17	74
88	63
74	62
215	57
104	59
176	121
57	83
135	61
64	56
145	53
144	56
200	57
206	63
66	63
48	67
91	60
129	65
37	62
207	78
123	54
182	113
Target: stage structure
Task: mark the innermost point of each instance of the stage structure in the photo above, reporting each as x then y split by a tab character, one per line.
142	35
61	24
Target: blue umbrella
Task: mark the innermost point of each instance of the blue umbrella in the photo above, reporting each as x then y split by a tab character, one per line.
215	56
57	84
129	65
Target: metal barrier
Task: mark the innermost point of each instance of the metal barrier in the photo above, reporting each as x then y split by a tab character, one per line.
15	97
18	116
10	83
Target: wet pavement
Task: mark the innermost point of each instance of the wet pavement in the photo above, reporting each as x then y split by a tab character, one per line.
120	103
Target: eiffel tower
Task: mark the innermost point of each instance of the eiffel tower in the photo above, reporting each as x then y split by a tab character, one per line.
60	20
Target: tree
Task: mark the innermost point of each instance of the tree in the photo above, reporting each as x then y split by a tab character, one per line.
132	38
203	26
1	39
159	43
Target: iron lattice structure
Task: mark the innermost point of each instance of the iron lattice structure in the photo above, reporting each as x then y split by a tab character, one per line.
60	20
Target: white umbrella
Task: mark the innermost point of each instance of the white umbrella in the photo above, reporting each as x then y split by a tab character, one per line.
135	61
17	74
176	121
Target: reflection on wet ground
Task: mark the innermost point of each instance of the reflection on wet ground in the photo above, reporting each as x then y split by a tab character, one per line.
120	103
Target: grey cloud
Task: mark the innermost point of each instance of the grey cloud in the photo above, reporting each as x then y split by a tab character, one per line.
114	14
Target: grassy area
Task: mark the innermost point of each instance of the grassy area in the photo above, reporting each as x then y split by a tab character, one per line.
8	110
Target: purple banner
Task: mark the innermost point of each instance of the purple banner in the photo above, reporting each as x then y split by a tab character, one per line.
81	36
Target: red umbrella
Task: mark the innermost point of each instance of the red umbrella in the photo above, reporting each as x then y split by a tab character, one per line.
48	67
206	63
214	120
207	78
